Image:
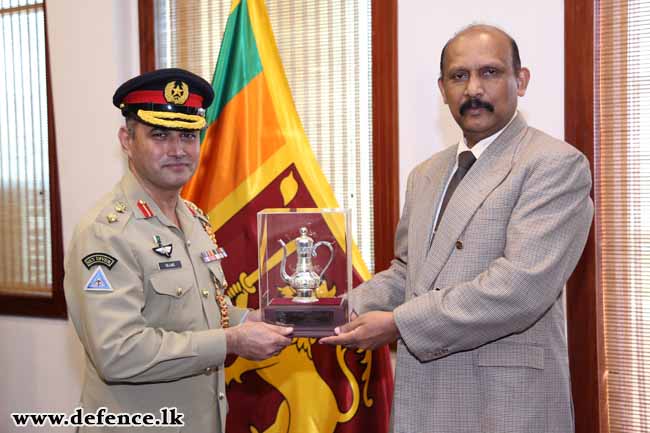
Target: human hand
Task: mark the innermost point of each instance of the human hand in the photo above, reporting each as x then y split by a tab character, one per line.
254	316
257	340
368	331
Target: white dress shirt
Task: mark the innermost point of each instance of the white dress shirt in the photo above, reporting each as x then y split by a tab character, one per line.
477	150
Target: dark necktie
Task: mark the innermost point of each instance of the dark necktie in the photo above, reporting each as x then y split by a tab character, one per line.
465	161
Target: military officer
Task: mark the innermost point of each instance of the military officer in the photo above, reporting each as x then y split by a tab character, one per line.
143	277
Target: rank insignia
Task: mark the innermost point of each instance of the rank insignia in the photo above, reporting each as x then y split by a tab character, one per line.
96	259
159	248
111	218
120	207
213	254
145	209
98	282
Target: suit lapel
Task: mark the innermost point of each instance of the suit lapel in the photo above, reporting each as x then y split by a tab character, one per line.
434	180
485	175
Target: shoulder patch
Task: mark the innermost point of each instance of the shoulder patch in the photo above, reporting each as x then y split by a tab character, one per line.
95	259
98	282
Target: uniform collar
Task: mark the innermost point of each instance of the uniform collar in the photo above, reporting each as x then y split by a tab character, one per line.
144	207
185	217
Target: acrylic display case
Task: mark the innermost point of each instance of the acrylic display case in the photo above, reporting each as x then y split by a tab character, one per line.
305	267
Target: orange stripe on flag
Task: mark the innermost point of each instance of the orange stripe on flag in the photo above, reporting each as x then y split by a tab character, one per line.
236	144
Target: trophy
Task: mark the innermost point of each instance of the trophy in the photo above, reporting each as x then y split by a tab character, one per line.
304	281
304	291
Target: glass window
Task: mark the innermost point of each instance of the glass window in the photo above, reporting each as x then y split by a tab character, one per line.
26	180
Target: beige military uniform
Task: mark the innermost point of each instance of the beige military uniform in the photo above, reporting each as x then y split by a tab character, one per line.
142	300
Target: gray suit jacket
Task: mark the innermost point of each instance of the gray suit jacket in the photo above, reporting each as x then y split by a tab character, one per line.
152	339
481	317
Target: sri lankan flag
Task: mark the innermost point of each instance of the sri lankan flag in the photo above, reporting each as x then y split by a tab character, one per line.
255	155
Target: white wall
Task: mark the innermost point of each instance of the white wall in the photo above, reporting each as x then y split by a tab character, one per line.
425	124
94	47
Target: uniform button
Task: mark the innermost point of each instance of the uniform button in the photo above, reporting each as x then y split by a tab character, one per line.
188	243
205	293
221	396
208	371
459	245
437	289
179	291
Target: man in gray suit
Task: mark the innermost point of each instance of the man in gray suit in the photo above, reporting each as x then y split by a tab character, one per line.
491	230
143	277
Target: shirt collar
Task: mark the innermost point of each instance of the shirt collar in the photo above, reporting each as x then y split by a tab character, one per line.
480	147
134	194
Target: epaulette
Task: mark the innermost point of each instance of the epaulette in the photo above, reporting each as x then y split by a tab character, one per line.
195	210
115	214
218	253
203	218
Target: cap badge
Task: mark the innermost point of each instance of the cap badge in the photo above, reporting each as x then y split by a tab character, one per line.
177	92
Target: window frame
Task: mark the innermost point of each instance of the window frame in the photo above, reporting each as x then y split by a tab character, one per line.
585	358
385	140
54	306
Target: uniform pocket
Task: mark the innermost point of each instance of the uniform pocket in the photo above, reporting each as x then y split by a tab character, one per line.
175	284
216	273
172	301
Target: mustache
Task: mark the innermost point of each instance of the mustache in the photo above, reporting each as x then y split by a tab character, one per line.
174	161
475	103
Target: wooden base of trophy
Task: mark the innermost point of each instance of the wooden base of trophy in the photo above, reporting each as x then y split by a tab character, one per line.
316	319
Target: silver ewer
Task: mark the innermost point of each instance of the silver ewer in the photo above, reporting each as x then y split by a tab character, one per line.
304	280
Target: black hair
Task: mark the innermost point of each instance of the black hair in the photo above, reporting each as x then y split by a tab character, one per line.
514	49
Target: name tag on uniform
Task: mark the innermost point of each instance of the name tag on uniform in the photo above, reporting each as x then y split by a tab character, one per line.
170	265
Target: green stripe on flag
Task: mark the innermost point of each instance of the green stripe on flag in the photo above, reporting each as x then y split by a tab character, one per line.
238	63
